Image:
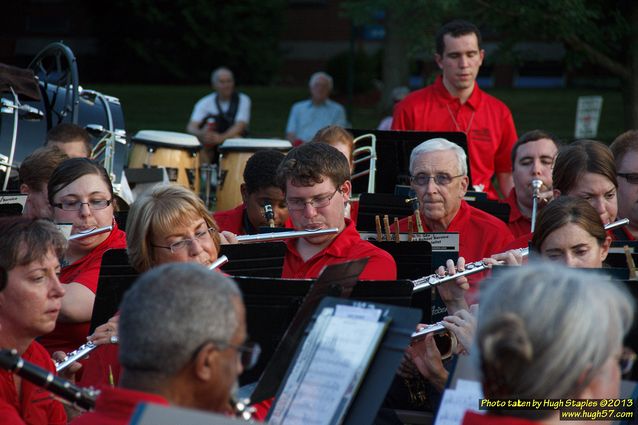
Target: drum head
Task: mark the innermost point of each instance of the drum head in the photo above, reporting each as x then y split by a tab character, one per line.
253	145
167	139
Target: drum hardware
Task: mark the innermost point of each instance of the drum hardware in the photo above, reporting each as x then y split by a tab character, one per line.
74	356
83	398
536	185
445	340
91	232
207	171
105	146
370	153
276	236
218	263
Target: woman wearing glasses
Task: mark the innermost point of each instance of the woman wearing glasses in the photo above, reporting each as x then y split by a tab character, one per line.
80	193
533	347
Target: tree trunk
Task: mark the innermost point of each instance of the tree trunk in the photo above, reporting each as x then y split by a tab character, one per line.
395	60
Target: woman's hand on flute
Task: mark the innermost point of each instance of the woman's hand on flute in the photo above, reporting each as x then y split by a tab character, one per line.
227	237
463	325
427	358
453	292
512	257
106	333
69	372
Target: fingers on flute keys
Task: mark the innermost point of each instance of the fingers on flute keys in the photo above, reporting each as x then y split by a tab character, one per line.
512	257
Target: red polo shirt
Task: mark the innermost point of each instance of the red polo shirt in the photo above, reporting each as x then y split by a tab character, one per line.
486	120
37	406
86	271
519	224
347	245
231	220
480	234
115	406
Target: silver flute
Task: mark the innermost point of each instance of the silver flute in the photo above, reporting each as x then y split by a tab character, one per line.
88	233
73	356
435	279
218	263
276	236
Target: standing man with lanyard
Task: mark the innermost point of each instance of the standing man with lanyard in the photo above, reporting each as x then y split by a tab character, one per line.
455	103
220	115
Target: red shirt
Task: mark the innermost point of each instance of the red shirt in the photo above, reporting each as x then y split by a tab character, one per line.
480	234
102	367
9	414
473	418
86	271
115	406
37	405
486	120
347	245
518	223
233	220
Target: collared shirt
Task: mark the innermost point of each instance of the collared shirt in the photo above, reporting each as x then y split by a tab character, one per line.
486	120
347	245
115	406
207	106
231	220
37	406
518	223
85	271
306	118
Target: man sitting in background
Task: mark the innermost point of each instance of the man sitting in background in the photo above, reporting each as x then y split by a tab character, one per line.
72	139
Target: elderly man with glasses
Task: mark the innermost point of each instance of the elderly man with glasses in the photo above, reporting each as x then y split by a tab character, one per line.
438	170
315	179
193	360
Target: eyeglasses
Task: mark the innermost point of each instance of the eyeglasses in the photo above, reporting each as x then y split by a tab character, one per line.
94	204
178	246
439	179
249	352
297	204
632	178
626	360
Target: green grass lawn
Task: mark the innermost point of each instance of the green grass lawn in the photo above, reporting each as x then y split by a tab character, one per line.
169	107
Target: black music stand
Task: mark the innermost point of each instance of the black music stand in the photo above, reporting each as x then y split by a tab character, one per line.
393	150
617	257
500	210
631	339
380	204
376	380
263	259
12	203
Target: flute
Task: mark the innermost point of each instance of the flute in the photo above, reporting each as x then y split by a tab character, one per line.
445	340
93	232
479	266
218	263
81	397
73	356
263	237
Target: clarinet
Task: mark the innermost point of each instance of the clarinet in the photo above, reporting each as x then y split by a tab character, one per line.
427	282
81	397
73	356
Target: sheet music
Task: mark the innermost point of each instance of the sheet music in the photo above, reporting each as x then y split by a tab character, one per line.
457	401
14	198
330	367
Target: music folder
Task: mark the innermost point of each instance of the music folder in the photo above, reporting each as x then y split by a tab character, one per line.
345	363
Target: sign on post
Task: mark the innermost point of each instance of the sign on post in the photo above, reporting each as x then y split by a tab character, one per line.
588	116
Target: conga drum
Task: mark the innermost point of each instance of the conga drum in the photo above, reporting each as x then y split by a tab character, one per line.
233	155
178	153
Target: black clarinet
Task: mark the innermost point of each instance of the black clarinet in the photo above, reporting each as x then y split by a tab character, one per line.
81	397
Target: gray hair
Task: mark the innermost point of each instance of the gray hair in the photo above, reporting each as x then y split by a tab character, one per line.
317	75
541	327
169	313
214	76
440	144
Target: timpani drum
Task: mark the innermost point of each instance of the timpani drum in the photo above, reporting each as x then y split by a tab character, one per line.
177	152
233	155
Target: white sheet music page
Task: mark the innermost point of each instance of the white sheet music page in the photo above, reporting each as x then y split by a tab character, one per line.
457	401
330	367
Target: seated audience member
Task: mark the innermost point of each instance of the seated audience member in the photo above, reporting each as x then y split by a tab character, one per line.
533	157
569	231
72	139
315	178
625	150
340	139
259	189
438	170
549	332
398	94
586	169
309	116
29	305
192	362
220	115
81	193
35	171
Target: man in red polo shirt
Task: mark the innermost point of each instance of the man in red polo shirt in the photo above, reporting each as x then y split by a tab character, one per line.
316	180
259	188
532	159
438	170
455	103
